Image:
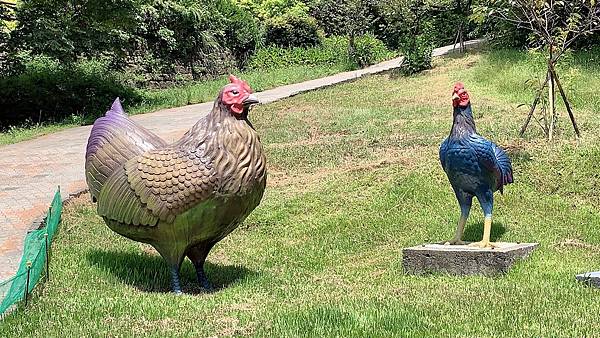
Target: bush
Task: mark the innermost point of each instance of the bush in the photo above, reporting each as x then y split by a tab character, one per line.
242	32
417	55
47	90
346	17
369	50
333	51
278	57
291	30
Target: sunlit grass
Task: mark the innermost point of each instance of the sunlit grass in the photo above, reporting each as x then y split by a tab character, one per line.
354	178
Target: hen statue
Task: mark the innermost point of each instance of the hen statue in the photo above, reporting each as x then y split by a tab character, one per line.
475	167
184	197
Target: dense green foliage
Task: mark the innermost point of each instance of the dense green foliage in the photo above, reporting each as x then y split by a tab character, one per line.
48	87
352	181
368	50
164	43
147	43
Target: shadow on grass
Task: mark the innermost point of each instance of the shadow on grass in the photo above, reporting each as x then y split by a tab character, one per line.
150	273
474	232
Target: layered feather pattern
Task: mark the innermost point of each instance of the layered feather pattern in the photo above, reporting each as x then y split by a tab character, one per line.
114	139
473	164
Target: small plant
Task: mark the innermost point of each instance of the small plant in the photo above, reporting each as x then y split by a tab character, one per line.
553	26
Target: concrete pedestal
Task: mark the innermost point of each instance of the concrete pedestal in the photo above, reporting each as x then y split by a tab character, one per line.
590	278
463	259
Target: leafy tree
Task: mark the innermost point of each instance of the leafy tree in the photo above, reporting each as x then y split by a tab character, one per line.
68	29
179	31
554	26
242	31
349	18
5	19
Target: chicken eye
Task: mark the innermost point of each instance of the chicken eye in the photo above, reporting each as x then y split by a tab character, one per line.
234	92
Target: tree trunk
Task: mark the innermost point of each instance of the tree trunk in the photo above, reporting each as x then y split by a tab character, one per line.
352	48
551	102
551	98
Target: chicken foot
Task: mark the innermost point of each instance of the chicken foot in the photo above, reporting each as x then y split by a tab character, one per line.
457	240
485	241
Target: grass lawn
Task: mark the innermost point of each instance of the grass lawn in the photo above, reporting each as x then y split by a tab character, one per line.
183	95
354	178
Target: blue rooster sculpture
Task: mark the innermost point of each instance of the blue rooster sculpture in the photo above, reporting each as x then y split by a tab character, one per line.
475	167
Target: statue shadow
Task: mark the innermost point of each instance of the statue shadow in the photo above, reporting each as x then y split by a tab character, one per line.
150	273
474	232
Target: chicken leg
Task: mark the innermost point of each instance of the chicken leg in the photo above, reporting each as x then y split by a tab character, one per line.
175	280
465	201
487	205
487	230
197	255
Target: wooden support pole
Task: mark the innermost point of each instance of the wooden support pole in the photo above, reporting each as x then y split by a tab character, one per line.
551	101
535	102
566	101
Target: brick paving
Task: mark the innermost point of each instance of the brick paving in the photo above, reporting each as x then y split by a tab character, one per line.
30	171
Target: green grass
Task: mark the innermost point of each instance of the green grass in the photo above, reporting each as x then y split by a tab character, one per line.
196	92
19	134
354	178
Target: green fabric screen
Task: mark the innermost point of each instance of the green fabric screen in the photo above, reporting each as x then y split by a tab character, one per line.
34	252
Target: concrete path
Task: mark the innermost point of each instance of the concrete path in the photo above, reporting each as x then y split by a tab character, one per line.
30	171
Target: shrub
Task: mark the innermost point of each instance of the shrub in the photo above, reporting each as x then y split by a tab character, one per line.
268	9
346	17
333	51
369	50
242	32
292	30
417	55
49	90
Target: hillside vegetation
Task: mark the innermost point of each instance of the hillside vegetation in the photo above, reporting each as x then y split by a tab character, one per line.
353	178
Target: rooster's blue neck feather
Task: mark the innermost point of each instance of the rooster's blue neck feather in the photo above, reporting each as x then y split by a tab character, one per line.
463	124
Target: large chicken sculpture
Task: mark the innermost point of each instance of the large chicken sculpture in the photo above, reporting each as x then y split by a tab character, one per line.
184	197
475	166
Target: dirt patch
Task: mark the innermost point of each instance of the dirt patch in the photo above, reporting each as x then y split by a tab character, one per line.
315	137
385	157
576	243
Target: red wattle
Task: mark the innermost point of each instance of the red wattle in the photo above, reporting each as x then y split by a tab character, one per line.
237	108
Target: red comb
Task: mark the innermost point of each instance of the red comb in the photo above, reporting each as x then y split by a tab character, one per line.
458	86
233	79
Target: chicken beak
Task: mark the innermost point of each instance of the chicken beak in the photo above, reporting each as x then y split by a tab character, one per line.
250	100
455	97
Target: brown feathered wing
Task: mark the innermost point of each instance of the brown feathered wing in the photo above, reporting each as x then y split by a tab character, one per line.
157	185
114	140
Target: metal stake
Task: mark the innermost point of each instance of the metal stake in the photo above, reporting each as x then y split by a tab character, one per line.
27	283
47	258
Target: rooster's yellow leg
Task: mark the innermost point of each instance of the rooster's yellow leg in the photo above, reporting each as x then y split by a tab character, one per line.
487	230
457	240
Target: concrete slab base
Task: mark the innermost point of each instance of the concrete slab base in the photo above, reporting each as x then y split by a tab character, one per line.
590	278
464	260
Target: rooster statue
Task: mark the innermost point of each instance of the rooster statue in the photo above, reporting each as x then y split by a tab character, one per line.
475	167
184	197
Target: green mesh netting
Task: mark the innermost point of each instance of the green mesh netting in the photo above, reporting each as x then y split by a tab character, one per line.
33	259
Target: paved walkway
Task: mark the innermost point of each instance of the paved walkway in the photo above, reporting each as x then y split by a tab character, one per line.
30	171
